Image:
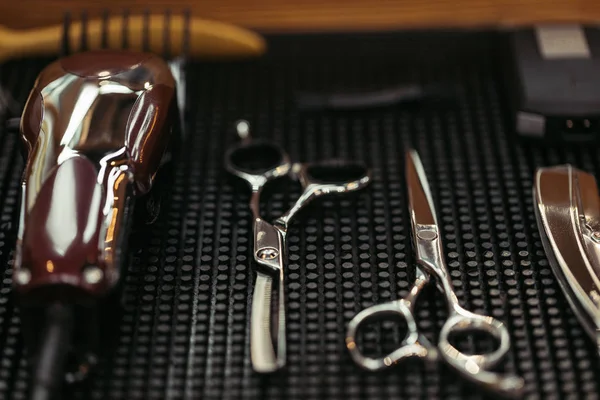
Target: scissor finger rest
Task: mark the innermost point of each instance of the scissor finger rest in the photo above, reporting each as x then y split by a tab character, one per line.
325	178
335	171
332	176
474	366
413	345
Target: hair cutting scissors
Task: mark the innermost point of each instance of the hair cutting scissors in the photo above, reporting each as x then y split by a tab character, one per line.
258	163
429	254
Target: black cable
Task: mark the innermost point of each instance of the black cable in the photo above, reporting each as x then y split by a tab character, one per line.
49	366
353	100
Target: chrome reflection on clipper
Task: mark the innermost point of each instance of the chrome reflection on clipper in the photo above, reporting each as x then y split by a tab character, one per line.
567	208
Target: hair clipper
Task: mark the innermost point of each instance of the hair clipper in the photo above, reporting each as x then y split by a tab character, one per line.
95	128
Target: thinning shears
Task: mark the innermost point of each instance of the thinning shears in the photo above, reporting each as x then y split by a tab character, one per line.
258	163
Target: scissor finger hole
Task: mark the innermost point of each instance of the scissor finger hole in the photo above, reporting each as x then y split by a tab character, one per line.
256	158
471	341
336	171
380	337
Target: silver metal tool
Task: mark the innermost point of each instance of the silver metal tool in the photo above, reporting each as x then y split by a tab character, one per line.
567	208
176	54
429	255
258	163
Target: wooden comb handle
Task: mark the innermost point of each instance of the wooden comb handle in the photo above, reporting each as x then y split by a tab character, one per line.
207	39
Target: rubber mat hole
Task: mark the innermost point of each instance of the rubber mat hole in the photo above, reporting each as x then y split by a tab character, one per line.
474	342
256	158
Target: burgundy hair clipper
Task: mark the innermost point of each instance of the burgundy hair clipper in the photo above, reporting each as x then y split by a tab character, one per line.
95	129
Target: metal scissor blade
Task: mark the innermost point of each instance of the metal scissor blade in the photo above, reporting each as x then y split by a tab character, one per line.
268	353
420	202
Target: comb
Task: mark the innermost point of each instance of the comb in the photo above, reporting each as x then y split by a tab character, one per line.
206	38
76	36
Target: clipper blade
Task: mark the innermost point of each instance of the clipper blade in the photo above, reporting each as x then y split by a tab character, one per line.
568	216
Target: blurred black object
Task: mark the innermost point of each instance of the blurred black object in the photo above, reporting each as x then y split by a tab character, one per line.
366	99
555	84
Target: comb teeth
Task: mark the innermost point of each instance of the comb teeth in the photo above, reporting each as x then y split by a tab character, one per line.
146	31
167	35
84	31
64	48
88	36
186	33
124	30
104	43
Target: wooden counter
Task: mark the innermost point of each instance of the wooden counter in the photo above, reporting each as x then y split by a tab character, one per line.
324	15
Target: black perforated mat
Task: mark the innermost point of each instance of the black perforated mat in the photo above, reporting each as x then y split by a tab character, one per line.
184	332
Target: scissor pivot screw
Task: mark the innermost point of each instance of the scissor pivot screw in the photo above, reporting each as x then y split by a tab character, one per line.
427	235
268	253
